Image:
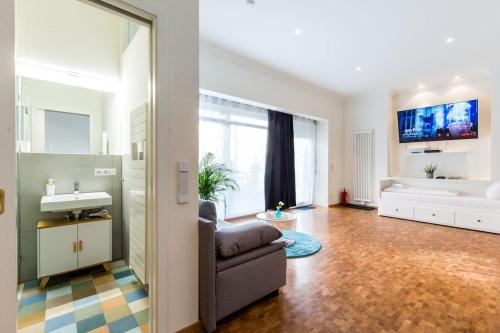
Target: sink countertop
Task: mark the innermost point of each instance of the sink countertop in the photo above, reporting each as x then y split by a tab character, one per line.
68	202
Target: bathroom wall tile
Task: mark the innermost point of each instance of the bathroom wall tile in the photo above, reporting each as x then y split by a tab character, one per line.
28	254
125	241
117	186
117	239
126	170
117	194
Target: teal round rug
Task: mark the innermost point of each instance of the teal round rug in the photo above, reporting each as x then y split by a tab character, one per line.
304	245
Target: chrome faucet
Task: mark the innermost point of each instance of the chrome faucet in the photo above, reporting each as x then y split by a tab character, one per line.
76	189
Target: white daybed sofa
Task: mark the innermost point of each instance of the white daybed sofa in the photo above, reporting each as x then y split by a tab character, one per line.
439	205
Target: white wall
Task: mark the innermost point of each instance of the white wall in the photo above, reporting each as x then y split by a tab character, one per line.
495	128
178	94
378	111
42	95
368	112
132	93
476	163
227	73
68	39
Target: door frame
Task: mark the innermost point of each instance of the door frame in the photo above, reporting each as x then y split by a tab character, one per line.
8	236
131	12
8	227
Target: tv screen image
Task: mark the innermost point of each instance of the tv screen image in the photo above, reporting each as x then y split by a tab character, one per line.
454	121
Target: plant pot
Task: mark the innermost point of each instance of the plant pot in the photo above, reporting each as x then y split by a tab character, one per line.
430	176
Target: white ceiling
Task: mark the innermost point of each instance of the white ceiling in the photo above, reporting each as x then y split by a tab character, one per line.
398	43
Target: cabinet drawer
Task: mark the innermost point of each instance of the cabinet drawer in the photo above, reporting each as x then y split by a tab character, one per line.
480	221
434	215
394	209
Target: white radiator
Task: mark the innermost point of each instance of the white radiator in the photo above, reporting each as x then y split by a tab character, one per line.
363	157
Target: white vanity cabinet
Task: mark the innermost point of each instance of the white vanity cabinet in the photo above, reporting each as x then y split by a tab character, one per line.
65	246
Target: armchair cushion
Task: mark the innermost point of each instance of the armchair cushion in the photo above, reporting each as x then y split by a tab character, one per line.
231	242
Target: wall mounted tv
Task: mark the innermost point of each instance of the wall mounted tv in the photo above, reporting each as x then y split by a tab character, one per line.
454	121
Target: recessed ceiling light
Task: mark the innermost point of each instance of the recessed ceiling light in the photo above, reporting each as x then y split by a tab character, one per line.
358	69
450	40
457	78
250	2
297	31
421	85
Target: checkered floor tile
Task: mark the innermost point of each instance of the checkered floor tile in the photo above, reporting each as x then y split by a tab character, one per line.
90	301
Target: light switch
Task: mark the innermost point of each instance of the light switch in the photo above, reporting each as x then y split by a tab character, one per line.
183	166
104	172
183	182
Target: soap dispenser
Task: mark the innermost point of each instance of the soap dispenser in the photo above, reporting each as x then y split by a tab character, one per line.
76	189
50	187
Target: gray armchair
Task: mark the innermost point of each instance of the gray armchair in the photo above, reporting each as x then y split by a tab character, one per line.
252	266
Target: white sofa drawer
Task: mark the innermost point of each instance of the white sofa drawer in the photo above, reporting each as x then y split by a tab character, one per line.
395	209
434	215
480	221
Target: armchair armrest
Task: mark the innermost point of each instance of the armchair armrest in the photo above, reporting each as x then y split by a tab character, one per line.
207	271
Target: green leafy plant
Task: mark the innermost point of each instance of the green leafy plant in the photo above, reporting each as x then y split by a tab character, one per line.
214	179
430	169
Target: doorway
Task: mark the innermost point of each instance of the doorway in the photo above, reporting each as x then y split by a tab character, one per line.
85	157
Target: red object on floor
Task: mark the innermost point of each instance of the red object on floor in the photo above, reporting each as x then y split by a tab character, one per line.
343	197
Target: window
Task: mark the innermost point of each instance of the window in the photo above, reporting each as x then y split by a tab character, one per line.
304	131
236	134
67	133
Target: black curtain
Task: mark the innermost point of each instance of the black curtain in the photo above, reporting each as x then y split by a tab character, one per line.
280	161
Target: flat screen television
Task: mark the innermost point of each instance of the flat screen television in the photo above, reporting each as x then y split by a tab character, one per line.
454	121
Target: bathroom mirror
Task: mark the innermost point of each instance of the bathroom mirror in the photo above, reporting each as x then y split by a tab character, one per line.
63	118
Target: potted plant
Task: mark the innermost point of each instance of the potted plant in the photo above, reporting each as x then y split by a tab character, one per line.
214	179
430	169
280	206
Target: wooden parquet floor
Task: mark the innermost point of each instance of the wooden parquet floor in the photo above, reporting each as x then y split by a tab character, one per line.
378	274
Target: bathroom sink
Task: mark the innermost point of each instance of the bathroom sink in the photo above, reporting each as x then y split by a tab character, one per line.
69	202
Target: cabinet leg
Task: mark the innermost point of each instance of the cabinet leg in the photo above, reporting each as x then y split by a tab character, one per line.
106	266
44	281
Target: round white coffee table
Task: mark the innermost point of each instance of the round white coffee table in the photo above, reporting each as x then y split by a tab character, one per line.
271	217
285	217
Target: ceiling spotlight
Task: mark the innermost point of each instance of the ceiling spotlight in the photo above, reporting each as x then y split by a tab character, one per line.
421	85
450	40
250	2
297	31
358	69
457	78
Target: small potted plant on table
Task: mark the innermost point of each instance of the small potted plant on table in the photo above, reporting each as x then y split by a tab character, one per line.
429	170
